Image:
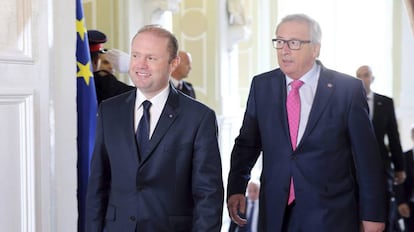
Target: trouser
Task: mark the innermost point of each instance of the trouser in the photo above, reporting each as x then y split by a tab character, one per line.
392	224
289	218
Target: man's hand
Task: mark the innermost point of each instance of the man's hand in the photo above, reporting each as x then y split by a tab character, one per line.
404	210
399	177
235	205
368	226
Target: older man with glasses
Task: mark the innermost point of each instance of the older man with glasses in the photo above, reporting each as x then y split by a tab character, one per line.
321	165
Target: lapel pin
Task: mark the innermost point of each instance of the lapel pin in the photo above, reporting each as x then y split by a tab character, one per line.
330	85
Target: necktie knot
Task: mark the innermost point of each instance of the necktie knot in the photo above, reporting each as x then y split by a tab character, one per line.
146	104
296	84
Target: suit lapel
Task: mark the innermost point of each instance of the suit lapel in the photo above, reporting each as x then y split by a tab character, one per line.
326	86
280	93
270	102
167	117
126	122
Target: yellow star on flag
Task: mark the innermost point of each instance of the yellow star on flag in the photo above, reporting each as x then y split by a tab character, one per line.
84	72
80	28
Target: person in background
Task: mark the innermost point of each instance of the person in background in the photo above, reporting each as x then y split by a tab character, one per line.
118	59
382	114
181	72
311	126
252	214
156	164
106	65
106	84
405	191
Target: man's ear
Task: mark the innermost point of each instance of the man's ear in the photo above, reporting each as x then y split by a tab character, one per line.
316	50
174	63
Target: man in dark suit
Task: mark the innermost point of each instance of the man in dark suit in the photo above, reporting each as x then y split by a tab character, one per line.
404	192
106	84
168	178
307	181
383	118
181	72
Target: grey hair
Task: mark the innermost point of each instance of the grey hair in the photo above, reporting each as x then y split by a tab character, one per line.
315	29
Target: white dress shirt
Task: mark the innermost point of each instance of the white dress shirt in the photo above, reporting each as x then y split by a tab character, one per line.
370	100
176	83
157	105
307	94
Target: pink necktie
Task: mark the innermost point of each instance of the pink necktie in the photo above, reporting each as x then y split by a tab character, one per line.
293	111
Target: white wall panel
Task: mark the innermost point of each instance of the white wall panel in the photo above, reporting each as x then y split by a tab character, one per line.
38	116
15	21
16	161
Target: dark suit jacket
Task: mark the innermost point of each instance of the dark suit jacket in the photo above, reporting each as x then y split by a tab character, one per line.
106	85
385	123
338	135
177	186
187	89
404	191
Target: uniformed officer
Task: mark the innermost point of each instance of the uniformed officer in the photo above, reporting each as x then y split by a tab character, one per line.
106	84
96	47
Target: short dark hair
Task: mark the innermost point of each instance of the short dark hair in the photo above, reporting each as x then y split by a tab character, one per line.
157	30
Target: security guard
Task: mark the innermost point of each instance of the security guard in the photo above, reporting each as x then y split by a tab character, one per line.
106	84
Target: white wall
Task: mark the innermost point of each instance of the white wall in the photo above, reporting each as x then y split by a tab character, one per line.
38	112
405	110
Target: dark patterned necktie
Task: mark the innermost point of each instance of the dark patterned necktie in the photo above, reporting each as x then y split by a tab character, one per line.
143	129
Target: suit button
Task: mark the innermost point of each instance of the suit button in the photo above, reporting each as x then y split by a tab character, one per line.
140	188
293	157
132	218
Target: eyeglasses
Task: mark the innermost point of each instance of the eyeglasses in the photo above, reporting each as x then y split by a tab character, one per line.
293	44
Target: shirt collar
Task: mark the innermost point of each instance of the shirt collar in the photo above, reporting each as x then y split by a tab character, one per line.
175	81
310	78
370	95
157	100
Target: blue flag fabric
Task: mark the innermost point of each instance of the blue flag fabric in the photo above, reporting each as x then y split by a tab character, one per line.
87	109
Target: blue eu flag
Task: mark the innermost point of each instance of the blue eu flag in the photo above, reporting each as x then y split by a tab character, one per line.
87	109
